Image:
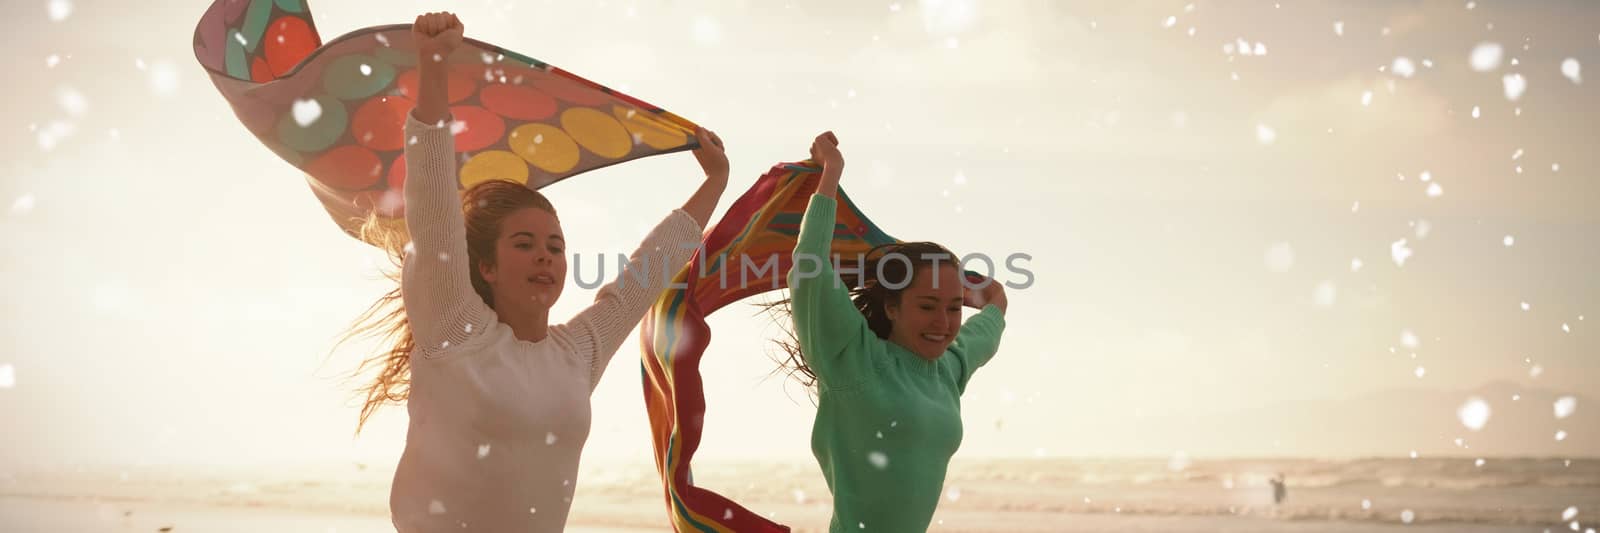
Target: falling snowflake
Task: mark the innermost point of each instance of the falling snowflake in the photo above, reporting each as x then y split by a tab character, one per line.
1561	435
878	460
1338	28
1435	190
1476	112
1509	240
1474	414
1526	306
1535	371
1407	516
1486	56
8	376
1171	20
1366	98
483	451
1403	67
306	112
1265	135
1515	84
1355	265
1569	514
1399	252
1420	372
1366	504
1478	463
1408	339
436	507
1565	405
549	439
1572	70
953	494
59	10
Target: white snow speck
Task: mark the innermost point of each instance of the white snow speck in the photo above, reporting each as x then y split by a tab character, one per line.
1476	112
1366	98
483	451
953	494
1355	265
1474	414
1535	371
1407	516
1515	84
8	376
1399	252
1408	339
1486	56
1403	67
1366	504
1265	135
1561	435
1565	405
1569	514
306	112
59	10
436	507
1420	372
549	439
878	460
1509	240
1172	20
1338	28
1435	190
1572	70
1526	306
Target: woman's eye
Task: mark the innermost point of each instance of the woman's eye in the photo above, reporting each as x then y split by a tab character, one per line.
926	307
555	250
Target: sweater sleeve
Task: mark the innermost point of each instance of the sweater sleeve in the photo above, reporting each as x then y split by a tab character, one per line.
601	328
977	342
436	285
826	322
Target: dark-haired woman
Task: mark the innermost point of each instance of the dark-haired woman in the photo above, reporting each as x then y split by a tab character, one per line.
890	359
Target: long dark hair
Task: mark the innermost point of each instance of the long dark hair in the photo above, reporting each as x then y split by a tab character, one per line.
868	292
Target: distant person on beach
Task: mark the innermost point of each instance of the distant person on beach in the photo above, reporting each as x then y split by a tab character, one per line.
1279	490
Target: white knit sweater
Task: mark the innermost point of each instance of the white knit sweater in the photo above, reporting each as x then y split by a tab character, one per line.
497	423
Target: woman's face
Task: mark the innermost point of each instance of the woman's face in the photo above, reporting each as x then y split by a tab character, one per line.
530	263
928	315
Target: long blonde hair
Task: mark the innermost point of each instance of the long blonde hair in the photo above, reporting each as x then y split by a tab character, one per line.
485	206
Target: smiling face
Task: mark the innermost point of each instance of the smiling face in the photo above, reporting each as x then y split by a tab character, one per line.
928	314
529	266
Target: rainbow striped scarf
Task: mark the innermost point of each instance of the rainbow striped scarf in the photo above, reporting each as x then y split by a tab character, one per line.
764	223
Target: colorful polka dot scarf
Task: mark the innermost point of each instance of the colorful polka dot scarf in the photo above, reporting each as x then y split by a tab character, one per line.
337	110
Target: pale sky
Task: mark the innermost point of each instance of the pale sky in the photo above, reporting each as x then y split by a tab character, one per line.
173	289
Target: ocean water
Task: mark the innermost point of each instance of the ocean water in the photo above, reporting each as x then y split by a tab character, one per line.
1046	494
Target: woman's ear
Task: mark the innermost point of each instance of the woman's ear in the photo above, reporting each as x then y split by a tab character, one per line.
891	310
487	271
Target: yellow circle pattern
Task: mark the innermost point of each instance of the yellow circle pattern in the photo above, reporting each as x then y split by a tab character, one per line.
493	165
544	146
597	132
648	129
